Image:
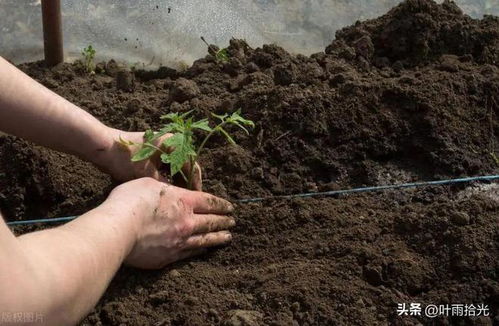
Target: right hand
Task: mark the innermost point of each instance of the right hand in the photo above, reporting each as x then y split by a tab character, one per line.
116	160
173	223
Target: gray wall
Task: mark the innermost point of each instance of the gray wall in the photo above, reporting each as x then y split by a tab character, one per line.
165	32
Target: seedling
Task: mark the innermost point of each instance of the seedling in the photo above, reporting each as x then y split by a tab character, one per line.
183	66
495	158
88	54
180	149
221	55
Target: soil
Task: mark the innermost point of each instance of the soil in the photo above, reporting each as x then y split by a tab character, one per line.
412	95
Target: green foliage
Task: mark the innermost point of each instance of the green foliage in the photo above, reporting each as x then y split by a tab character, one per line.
183	151
144	153
222	55
179	149
495	158
88	54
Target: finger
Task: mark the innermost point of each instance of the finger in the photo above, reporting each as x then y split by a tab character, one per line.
159	142
158	176
205	223
197	182
179	181
208	240
204	203
151	170
191	253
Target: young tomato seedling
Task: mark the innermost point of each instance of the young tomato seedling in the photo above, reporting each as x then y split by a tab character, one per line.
182	145
88	54
221	55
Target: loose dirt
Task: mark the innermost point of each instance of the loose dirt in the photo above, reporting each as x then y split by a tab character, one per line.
412	95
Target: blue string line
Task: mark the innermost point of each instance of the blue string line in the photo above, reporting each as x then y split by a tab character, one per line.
307	195
371	189
43	220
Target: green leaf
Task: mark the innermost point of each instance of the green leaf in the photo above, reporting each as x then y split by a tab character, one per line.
162	132
170	116
236	117
202	124
240	126
238	120
494	156
170	128
226	134
220	117
182	153
167	128
222	55
144	153
149	135
165	158
175	117
186	114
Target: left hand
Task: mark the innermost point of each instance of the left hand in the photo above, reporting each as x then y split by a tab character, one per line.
169	223
116	160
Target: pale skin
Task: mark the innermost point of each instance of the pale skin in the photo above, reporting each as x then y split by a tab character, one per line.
61	273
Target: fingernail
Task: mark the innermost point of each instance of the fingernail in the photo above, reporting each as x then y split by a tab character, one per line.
230	207
232	223
228	237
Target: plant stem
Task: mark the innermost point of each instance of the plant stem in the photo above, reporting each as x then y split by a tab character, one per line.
183	175
192	163
192	160
162	151
155	147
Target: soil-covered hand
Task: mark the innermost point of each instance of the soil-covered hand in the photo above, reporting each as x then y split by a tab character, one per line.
172	223
116	160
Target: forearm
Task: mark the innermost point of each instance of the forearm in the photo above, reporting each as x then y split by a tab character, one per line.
31	111
64	271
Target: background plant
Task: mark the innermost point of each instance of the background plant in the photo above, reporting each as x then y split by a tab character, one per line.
219	54
180	148
88	54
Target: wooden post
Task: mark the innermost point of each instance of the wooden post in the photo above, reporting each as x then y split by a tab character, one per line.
52	32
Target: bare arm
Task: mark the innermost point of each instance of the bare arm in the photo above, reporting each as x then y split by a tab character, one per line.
61	273
33	112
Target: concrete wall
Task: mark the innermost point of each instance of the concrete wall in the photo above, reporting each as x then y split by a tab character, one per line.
165	32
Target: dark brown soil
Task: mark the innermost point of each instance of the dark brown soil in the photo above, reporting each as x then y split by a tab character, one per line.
412	95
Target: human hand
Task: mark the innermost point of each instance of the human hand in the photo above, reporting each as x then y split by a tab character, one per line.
116	160
172	223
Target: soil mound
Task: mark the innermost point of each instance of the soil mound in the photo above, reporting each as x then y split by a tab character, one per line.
411	95
418	31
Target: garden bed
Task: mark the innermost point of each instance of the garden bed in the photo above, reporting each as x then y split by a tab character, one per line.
412	95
